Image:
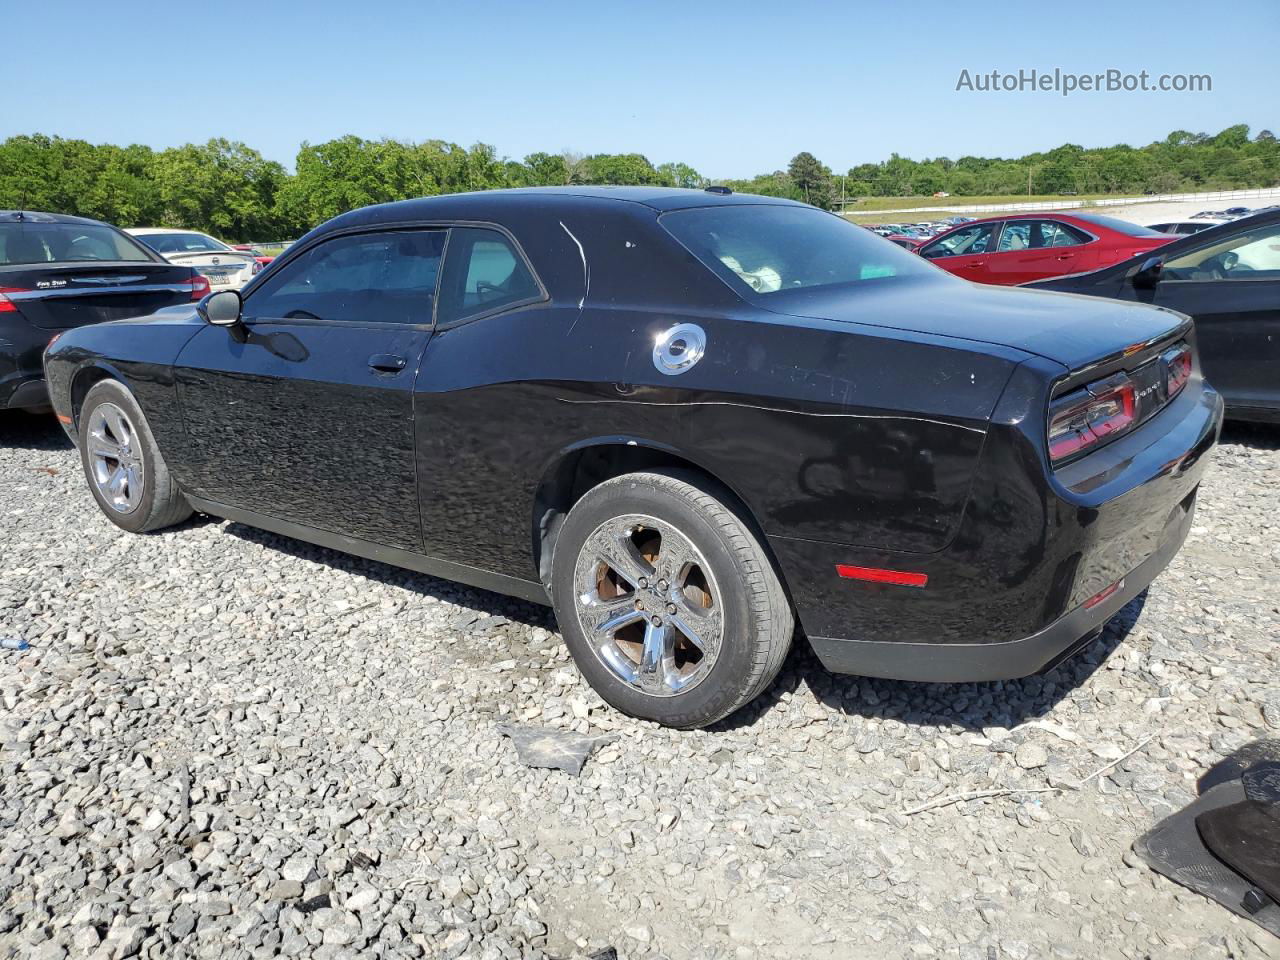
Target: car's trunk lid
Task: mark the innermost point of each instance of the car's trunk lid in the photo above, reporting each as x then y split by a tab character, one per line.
1076	331
56	296
219	266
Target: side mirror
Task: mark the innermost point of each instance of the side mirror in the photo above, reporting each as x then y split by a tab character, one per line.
222	309
1148	275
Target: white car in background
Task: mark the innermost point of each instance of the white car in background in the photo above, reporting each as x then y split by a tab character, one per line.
225	268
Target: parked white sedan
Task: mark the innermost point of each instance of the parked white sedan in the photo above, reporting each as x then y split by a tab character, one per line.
225	268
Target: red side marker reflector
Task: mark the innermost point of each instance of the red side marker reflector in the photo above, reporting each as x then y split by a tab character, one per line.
63	418
900	578
1101	595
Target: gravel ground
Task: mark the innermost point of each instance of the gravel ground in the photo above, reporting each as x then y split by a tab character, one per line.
224	743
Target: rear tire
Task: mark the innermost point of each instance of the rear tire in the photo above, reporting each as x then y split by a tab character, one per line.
125	469
667	600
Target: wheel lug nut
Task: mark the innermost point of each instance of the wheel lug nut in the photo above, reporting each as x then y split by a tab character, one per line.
671	608
656	621
644	581
662	584
639	604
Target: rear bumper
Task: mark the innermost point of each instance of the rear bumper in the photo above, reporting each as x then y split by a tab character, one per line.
22	363
25	392
1011	659
1007	597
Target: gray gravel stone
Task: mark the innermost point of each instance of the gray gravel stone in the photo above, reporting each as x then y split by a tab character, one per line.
1031	756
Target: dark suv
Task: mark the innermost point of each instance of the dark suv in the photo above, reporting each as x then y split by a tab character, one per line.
58	272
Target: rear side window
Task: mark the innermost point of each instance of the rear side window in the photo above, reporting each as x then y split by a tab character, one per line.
1036	234
32	243
762	249
482	273
365	278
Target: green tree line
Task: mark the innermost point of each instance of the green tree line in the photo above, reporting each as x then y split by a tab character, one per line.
1181	162
230	190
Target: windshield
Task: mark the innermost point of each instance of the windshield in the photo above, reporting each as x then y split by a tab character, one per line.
183	243
1119	226
31	242
761	249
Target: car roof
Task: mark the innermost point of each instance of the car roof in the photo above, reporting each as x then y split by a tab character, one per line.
1020	215
149	231
487	202
35	216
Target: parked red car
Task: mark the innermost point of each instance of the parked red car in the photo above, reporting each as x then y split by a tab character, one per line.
1031	246
250	248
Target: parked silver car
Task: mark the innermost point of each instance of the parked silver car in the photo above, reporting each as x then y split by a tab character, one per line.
224	267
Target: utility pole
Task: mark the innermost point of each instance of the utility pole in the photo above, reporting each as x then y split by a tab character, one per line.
843	177
1029	169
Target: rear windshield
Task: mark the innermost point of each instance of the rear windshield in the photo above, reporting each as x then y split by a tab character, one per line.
30	242
1119	226
183	243
761	249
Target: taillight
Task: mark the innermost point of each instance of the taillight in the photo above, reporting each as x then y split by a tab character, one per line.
7	305
199	287
1178	364
257	267
1082	419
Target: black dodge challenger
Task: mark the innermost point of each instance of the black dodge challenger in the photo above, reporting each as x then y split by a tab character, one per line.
690	420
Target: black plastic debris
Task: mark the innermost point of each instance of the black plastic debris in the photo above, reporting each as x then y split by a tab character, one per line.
553	749
315	903
1246	835
1226	845
1262	787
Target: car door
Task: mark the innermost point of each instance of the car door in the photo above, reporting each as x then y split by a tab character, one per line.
305	411
471	439
1231	286
965	251
1035	248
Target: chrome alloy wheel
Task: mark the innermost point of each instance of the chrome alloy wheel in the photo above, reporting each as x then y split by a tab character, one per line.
649	605
115	457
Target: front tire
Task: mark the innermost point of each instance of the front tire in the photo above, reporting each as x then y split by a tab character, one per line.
125	469
667	600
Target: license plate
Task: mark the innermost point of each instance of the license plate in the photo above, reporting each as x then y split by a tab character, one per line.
217	277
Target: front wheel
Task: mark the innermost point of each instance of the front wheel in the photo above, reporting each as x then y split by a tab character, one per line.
125	469
667	600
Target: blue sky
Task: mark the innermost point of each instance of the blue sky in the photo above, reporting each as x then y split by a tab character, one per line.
733	89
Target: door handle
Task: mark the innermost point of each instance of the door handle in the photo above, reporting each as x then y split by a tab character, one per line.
387	362
1065	256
